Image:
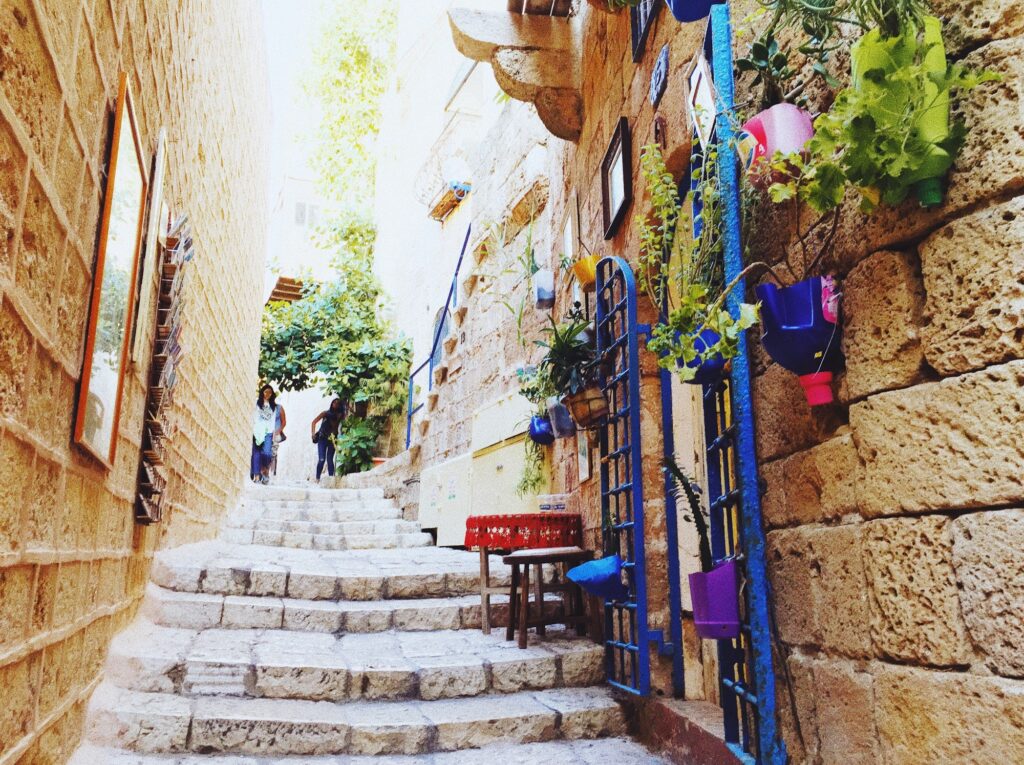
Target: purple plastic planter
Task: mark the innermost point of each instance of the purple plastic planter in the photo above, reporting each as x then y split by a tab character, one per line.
716	602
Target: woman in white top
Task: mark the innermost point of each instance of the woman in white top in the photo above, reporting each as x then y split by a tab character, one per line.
268	423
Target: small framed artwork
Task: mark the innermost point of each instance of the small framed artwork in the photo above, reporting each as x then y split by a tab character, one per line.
156	236
701	98
570	230
641	19
616	178
108	332
583	455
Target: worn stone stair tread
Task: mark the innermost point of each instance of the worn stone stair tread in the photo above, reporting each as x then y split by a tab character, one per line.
354	667
581	752
193	610
271	512
307	494
315	541
346	527
233	569
162	722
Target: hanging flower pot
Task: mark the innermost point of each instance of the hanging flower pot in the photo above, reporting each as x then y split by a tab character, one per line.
541	431
585	270
544	289
601	578
588	407
689	10
802	333
709	370
783	128
716	601
560	418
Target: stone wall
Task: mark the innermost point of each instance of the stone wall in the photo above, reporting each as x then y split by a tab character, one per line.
895	543
72	563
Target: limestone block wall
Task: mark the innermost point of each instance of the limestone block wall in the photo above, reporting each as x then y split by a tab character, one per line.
896	529
72	563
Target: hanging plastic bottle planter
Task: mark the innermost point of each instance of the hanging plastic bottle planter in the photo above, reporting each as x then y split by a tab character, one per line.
689	10
709	370
561	420
802	332
716	601
783	128
540	430
544	289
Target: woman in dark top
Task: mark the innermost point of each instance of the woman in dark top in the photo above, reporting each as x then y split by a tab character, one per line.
329	422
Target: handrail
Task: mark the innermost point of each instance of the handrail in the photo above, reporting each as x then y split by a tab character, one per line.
450	302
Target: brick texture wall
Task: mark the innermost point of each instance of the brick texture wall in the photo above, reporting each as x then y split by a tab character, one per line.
73	565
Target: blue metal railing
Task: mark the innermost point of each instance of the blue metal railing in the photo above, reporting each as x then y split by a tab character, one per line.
732	457
452	301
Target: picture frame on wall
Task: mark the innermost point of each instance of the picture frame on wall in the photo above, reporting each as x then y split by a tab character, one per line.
617	178
112	308
641	19
157	216
583	456
569	239
700	98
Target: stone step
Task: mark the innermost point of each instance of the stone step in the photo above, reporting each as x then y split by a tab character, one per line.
169	723
334	513
309	495
189	610
222	568
286	664
580	752
310	541
301	526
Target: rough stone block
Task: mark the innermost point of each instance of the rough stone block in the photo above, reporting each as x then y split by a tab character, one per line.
15	460
946	445
988	555
969	24
812	486
447	677
914	598
15	603
12	178
924	716
790	569
845	706
883	301
784	421
15	350
20	682
842	604
974	275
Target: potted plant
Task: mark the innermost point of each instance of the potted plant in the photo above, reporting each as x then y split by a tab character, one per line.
690	10
572	366
544	289
714	590
697	336
550	416
585	271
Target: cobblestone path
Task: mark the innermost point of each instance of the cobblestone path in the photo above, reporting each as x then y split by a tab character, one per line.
321	628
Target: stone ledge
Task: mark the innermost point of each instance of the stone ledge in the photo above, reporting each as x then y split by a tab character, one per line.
686	731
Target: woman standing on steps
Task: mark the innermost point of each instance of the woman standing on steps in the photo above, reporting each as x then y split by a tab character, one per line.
268	423
331	419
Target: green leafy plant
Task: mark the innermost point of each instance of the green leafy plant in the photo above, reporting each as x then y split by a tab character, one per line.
536	387
532	478
687	277
685	488
356	444
570	363
872	140
772	71
521	265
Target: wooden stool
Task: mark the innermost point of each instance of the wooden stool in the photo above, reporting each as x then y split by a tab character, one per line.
572	613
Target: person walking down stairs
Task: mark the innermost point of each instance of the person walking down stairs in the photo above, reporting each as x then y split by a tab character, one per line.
322	628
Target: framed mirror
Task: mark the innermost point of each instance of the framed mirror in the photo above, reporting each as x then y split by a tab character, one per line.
108	333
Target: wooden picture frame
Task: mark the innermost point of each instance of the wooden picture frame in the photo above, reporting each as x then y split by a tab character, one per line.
617	178
701	100
569	233
109	332
156	236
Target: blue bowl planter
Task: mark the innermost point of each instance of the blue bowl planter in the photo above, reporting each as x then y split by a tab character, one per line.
689	10
716	601
802	332
602	578
710	369
541	431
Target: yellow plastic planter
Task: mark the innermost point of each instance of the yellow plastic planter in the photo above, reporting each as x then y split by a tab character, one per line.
585	270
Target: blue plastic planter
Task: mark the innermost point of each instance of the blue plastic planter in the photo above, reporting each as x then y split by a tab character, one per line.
689	10
602	577
711	369
540	430
802	332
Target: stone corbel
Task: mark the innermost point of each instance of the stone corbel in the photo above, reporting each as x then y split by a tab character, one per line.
534	58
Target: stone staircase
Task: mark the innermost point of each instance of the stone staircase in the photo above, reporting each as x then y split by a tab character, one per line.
323	629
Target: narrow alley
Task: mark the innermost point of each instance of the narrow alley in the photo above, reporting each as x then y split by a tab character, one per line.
503	382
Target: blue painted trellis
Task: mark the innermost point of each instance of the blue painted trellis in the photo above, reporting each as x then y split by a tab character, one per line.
628	636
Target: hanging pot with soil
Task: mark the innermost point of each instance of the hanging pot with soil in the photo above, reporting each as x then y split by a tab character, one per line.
802	332
588	407
540	430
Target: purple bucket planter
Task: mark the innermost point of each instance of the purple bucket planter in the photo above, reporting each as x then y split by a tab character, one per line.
716	602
